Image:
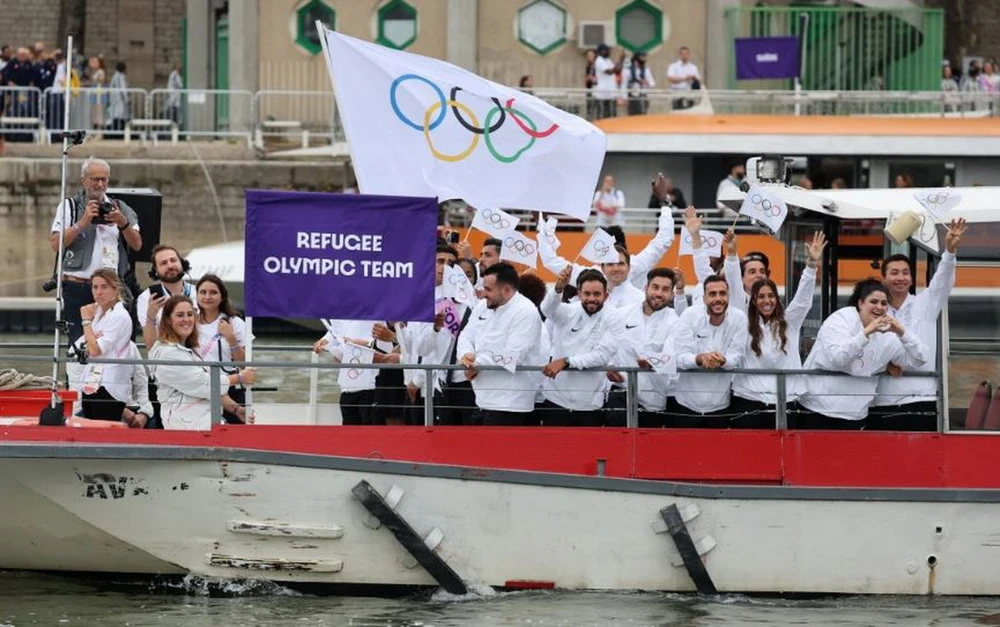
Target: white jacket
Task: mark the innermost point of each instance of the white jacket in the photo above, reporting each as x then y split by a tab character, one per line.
587	341
645	336
841	346
184	391
763	388
919	315
704	393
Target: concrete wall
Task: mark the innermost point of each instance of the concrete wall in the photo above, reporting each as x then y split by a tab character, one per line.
23	22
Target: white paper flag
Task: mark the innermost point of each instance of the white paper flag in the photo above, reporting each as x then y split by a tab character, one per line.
548	230
457	286
663	363
496	222
508	361
938	202
353	379
519	248
600	248
864	366
765	207
418	126
710	240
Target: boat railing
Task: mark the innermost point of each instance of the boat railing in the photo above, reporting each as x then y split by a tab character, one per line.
316	365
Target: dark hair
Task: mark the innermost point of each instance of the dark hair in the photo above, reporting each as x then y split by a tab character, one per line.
617	233
755	255
533	288
661	273
715	278
448	250
493	241
865	288
504	273
777	323
472	264
120	66
224	305
159	248
524	80
623	251
591	274
893	259
166	331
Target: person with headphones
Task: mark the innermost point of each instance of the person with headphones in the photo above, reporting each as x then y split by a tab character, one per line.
169	269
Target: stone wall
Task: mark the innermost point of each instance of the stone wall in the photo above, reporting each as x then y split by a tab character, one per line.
29	194
23	22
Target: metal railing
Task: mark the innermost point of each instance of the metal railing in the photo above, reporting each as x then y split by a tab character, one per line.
301	116
631	374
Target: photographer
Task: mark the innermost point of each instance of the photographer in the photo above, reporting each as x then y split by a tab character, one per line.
97	233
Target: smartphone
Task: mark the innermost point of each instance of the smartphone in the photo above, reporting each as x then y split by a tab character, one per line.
452	237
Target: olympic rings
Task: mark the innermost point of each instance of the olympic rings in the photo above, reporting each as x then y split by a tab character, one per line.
706	240
502	360
436	112
936	199
520	246
496	219
395	105
469	127
602	248
657	360
765	206
427	132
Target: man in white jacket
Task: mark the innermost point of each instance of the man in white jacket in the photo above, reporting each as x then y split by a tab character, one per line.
910	403
504	330
585	335
712	337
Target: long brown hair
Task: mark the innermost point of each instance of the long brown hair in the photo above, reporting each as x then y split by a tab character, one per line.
112	278
225	307
166	330
776	323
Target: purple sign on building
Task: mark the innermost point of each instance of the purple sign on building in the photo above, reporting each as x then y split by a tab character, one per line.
767	57
343	256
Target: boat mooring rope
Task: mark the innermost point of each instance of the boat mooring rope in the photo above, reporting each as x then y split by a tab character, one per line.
11	379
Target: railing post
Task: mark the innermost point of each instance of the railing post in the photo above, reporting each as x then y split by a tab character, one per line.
632	399
780	406
313	390
215	392
429	398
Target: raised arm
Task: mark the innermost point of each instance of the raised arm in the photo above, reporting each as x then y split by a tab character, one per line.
734	274
798	308
647	258
936	295
552	261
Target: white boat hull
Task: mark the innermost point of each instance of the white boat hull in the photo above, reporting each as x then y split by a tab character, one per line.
292	518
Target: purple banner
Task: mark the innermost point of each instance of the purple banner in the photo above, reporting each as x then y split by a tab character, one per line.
767	57
344	256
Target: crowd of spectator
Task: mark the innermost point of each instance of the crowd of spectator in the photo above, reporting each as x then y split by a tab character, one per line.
614	80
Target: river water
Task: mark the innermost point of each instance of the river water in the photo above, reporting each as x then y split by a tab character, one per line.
28	599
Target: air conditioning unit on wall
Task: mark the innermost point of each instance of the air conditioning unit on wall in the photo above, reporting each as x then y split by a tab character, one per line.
591	34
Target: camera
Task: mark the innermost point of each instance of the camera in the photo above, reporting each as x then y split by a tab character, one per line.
102	211
50	285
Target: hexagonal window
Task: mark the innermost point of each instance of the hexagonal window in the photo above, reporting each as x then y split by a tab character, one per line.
306	34
397	25
639	26
541	26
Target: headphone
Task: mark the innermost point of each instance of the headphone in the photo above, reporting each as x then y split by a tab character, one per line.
185	268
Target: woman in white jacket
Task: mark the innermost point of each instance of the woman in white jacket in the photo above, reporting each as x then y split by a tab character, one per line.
107	332
861	340
185	391
773	343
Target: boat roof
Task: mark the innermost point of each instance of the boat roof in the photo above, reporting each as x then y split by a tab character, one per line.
802	134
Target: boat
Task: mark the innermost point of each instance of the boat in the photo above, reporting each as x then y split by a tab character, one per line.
348	508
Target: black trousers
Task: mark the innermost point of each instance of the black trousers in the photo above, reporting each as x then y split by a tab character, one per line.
239	395
553	415
751	414
615	413
909	417
356	408
75	295
493	418
680	417
102	406
456	405
810	420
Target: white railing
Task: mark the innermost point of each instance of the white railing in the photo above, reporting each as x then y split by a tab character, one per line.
635	219
300	116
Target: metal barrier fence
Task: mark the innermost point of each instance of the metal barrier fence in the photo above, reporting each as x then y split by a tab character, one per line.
631	375
301	116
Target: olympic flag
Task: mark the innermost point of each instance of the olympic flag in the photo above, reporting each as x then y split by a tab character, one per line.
600	248
422	127
765	207
938	201
519	249
710	240
496	222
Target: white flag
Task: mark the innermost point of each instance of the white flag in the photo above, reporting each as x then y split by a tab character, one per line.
663	363
765	207
519	248
600	248
457	286
418	126
547	229
938	202
710	240
354	379
508	361
496	222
